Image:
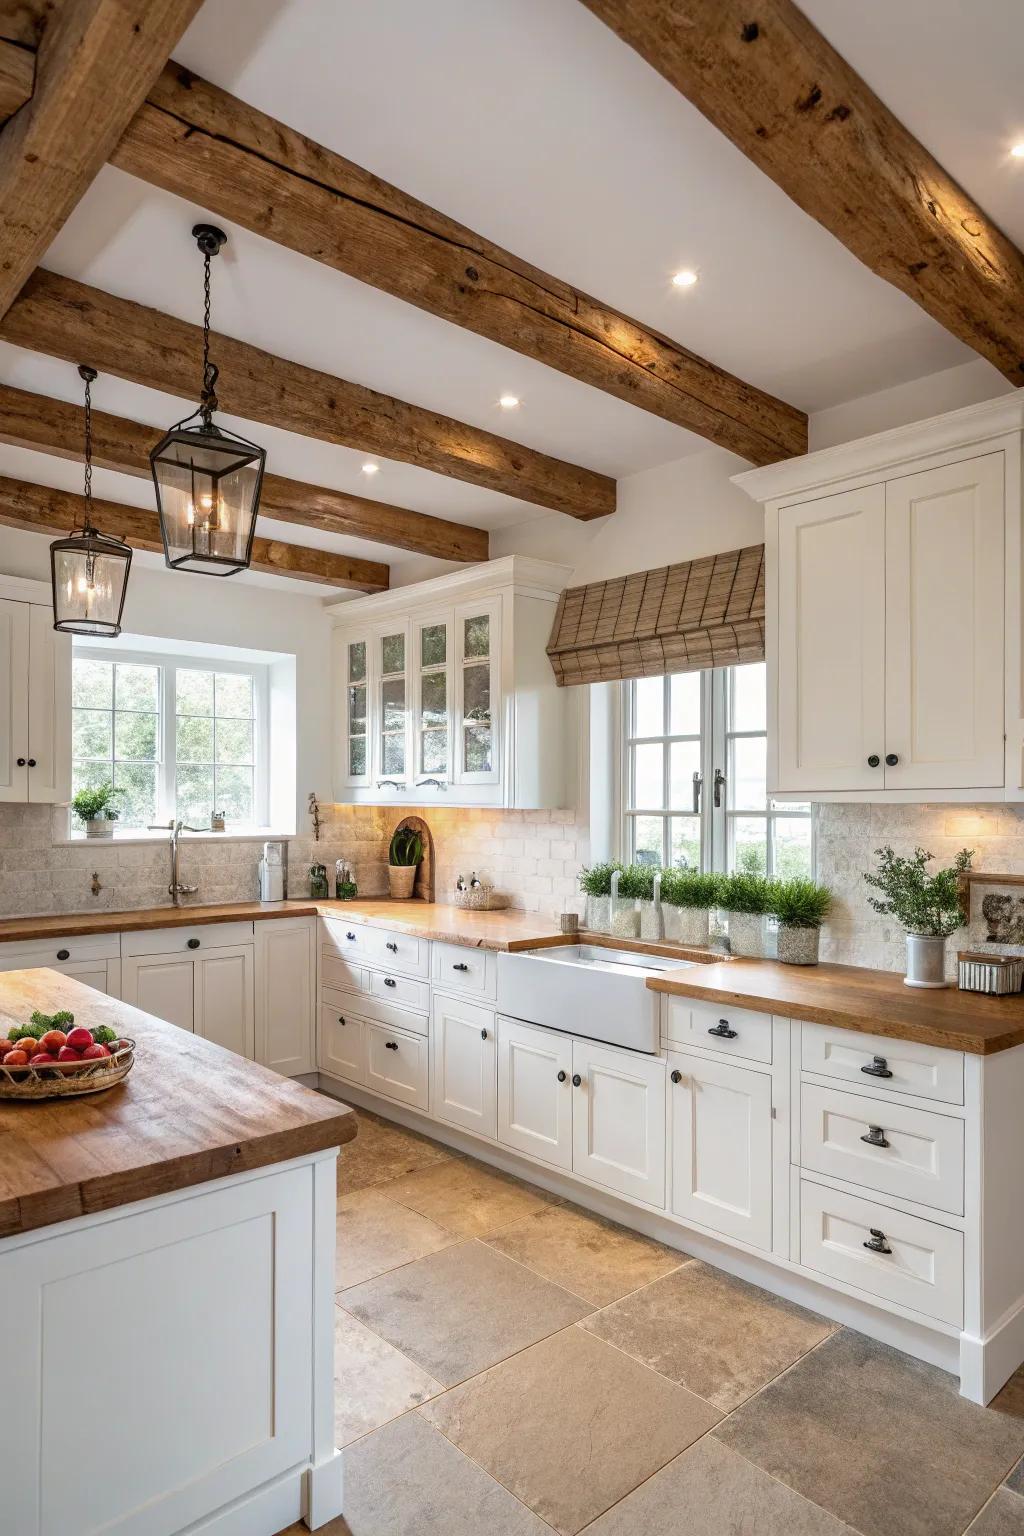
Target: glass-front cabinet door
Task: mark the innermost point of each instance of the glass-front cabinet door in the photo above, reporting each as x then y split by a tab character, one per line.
432	728
477	645
391	771
355	661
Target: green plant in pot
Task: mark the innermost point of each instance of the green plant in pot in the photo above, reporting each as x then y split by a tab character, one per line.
96	808
404	856
632	885
687	897
926	906
596	885
747	899
801	907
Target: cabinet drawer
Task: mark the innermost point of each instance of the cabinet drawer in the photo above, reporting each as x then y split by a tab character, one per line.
403	990
685	1021
914	1153
925	1070
342	1047
372	1008
924	1269
460	969
396	1064
338	971
378	946
170	941
26	954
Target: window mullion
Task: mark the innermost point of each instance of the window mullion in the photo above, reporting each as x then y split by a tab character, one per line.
168	741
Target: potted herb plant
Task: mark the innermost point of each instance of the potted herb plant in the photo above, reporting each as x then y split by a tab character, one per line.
404	857
687	897
747	899
596	885
96	808
631	885
801	907
927	908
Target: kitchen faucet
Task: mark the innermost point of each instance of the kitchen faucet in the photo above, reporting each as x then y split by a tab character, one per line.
176	889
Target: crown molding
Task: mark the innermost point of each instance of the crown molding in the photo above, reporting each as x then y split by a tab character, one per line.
529	577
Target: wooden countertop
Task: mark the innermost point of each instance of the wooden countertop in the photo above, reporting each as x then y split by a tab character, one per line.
188	1111
77	924
874	1002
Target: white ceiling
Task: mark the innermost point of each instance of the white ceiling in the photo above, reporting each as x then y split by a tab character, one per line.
530	122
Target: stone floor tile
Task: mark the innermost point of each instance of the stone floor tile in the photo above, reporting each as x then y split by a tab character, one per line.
461	1310
706	1330
469	1199
376	1234
883	1441
373	1382
570	1426
382	1151
597	1259
1003	1515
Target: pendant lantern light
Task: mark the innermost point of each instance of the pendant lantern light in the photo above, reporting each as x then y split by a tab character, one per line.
207	481
89	569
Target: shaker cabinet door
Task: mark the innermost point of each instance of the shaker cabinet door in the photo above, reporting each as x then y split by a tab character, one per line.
721	1147
618	1120
535	1092
224	1001
14	642
464	1065
163	985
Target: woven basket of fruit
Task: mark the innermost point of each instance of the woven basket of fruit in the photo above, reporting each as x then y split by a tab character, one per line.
51	1058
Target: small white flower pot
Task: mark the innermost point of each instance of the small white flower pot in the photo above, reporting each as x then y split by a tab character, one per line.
688	925
798	946
599	914
625	917
652	928
926	961
748	934
99	827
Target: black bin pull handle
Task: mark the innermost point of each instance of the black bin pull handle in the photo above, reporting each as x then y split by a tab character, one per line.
876	1242
723	1030
877	1067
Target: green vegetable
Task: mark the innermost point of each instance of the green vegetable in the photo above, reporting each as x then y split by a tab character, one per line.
104	1035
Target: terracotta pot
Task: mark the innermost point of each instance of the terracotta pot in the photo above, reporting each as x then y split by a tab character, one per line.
798	946
401	879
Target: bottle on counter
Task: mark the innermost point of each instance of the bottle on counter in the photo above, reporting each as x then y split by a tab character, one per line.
474	883
344	882
460	884
319	889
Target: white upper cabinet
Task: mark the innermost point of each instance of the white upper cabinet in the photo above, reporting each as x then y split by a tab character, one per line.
35	698
893	627
444	693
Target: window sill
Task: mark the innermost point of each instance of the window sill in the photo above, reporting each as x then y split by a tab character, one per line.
135	836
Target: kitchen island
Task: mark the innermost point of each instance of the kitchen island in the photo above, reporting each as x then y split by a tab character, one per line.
167	1285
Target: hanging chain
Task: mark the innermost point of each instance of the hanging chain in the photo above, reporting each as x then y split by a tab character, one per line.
210	370
87	374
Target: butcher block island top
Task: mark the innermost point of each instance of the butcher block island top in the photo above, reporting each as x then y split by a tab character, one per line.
189	1111
874	1002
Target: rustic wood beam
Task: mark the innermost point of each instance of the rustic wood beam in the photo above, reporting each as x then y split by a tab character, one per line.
197	141
96	61
17	74
772	84
58	428
66	319
41	509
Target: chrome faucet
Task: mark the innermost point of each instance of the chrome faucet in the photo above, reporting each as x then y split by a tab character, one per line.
176	890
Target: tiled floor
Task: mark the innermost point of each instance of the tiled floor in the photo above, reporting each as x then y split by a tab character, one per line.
509	1365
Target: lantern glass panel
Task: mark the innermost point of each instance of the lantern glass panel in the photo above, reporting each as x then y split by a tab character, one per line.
208	492
89	576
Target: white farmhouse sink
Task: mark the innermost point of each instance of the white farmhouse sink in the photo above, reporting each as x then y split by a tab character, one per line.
586	990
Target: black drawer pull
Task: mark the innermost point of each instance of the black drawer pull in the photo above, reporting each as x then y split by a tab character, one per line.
351	936
562	1076
21	762
877	1067
63	954
891	759
677	1077
391	1045
483	1034
874	760
341	1020
460	965
723	1030
393	947
193	943
32	762
876	1242
389	981
875	1137
576	1080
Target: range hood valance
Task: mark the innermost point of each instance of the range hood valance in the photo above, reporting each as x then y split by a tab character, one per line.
680	618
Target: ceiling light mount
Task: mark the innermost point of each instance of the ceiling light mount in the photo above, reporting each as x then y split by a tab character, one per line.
209	238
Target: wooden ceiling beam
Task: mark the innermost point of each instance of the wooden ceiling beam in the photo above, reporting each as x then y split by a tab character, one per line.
57	427
772	84
41	509
95	63
66	319
201	143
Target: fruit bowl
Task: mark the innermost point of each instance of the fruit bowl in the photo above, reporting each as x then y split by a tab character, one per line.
67	1079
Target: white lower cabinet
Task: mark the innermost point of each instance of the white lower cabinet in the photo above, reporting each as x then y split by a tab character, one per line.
285	970
464	1065
342	1044
535	1092
721	1142
211	995
163	985
618	1120
396	1064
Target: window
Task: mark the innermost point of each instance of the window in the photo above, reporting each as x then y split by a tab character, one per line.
691	740
176	735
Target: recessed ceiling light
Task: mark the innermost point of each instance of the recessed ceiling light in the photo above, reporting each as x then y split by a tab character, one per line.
369	468
1018	151
509	402
684	279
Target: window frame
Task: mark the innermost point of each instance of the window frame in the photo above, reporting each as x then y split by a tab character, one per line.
716	738
167	664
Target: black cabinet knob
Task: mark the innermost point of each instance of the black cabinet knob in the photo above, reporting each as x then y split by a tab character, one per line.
193	943
562	1077
483	1034
723	1030
876	1242
393	947
891	759
576	1080
21	762
460	966
874	760
350	936
391	1045
389	981
677	1077
31	762
875	1137
63	954
341	1020
876	1067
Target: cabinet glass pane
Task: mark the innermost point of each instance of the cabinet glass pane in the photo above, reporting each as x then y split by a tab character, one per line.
357	755
392	653
392	695
433	645
394	756
476	694
477	749
434	752
477	636
357	661
357	709
434	700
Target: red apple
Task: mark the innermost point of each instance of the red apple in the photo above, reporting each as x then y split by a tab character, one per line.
53	1040
28	1044
68	1053
16	1059
41	1059
95	1052
120	1045
79	1038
